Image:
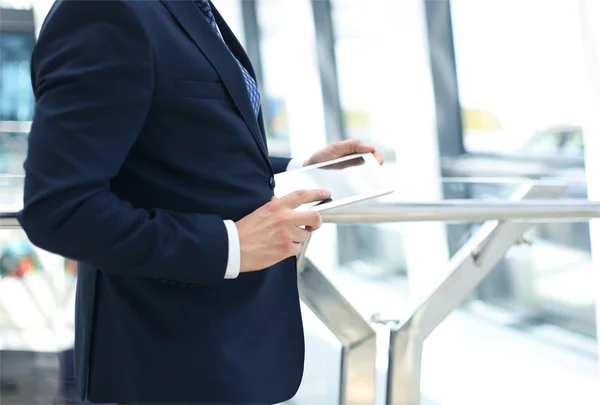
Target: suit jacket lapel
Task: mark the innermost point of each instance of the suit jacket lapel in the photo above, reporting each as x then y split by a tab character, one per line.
239	52
232	42
191	20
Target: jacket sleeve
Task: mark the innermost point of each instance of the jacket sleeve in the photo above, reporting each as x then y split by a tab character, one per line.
279	164
93	78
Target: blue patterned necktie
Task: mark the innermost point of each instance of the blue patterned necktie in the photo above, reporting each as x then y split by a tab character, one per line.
251	85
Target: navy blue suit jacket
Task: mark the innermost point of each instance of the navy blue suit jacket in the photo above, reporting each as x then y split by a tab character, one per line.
144	140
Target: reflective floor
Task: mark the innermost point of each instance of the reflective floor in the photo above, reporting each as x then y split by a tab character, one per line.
29	378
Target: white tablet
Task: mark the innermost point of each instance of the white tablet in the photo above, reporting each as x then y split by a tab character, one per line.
350	179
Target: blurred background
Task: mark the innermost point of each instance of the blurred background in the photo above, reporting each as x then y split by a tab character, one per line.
486	89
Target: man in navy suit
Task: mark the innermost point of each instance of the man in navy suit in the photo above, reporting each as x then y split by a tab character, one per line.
148	164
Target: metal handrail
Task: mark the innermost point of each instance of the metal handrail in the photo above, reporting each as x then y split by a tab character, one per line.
445	211
515	181
464	211
8	220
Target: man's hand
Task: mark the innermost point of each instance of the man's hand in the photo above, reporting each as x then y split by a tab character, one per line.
343	148
273	232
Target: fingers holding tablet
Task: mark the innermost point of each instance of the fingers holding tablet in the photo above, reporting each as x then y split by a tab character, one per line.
300	197
350	179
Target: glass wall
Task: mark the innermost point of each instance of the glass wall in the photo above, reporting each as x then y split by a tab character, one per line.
367	64
387	99
275	105
521	91
292	99
16	98
520	87
231	10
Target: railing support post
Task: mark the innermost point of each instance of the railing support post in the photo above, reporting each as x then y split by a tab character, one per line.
356	335
466	270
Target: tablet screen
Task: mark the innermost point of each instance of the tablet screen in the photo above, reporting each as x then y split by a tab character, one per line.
356	178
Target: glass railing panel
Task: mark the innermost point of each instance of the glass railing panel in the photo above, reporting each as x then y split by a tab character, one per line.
546	279
536	306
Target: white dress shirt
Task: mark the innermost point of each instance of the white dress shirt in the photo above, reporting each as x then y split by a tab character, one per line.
233	259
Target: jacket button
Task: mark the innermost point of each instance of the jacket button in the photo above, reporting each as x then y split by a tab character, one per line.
272	182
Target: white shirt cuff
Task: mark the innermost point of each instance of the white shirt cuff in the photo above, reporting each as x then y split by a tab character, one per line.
295	164
233	259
